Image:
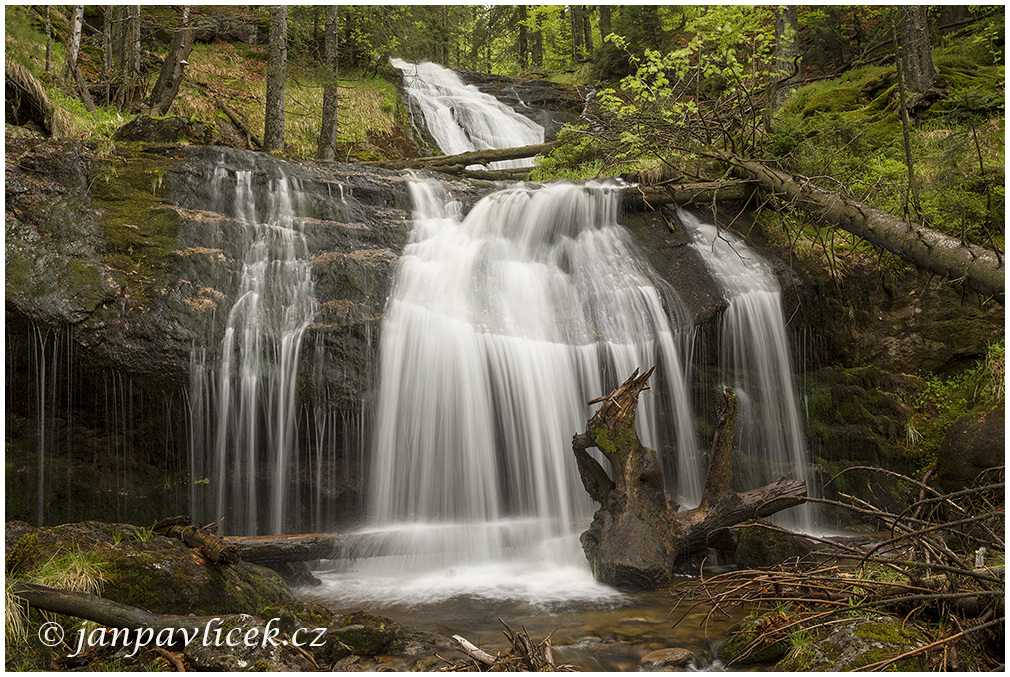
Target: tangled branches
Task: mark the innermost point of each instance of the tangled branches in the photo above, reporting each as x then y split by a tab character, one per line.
525	656
940	570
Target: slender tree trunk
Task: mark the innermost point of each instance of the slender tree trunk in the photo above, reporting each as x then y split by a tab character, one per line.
130	90
911	191
328	130
787	52
604	21
167	86
576	21
524	61
108	60
49	41
71	72
916	52
273	131
538	42
587	29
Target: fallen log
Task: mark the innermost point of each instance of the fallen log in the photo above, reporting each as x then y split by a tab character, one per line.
278	549
474	157
214	548
975	267
109	613
243	127
684	194
637	539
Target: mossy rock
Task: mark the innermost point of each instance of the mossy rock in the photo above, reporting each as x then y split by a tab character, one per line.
975	443
857	643
162	575
758	547
734	651
172	129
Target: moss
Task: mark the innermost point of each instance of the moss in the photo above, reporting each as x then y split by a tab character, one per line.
837	99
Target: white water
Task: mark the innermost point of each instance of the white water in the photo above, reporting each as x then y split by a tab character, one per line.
754	358
461	118
243	391
501	326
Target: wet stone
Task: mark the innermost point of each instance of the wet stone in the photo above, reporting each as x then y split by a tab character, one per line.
666	659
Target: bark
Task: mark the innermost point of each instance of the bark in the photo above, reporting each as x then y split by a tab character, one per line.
328	129
605	21
524	49
273	130
975	267
638	539
49	41
684	194
576	20
787	53
440	162
70	70
109	613
237	121
272	550
167	86
538	42
587	30
916	52
126	36
214	548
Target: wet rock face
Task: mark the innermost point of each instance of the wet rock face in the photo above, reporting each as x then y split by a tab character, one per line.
975	443
549	104
172	129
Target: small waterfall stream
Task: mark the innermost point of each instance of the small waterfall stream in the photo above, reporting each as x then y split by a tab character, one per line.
243	392
754	357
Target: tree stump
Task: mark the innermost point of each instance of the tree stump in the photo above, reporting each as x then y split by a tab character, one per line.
638	539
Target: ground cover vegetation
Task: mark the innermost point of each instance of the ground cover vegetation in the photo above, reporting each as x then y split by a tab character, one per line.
900	108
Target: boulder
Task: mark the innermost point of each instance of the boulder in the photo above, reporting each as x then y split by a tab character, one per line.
746	643
976	442
759	548
172	129
856	643
665	660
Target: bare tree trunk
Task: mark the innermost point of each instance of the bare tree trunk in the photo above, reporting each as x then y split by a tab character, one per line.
524	60
916	52
328	130
49	41
911	189
273	129
576	21
167	86
604	21
71	72
108	60
637	539
130	90
587	30
538	42
787	52
975	267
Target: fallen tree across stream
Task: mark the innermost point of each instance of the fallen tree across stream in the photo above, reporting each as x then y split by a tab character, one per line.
977	268
637	539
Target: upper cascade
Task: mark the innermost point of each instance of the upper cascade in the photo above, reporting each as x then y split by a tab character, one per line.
461	118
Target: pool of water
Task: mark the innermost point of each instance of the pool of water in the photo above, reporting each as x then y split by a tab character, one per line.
594	626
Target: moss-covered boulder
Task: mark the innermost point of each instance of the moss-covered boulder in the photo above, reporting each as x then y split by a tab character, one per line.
172	129
145	570
975	443
857	643
758	547
748	643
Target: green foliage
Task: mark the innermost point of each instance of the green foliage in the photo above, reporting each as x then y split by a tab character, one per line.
944	400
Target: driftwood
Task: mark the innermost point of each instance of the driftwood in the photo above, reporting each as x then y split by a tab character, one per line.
109	613
975	267
214	548
637	539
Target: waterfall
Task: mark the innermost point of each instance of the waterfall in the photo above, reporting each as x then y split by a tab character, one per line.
461	118
501	326
242	393
754	358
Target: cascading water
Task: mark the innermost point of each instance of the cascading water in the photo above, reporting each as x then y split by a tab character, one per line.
461	118
243	392
500	327
754	356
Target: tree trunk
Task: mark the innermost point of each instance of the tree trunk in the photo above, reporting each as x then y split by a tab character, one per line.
787	52
437	162
604	22
524	48
916	52
538	41
126	35
273	550
576	21
49	41
638	540
976	268
328	129
71	72
587	30
273	128
167	86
